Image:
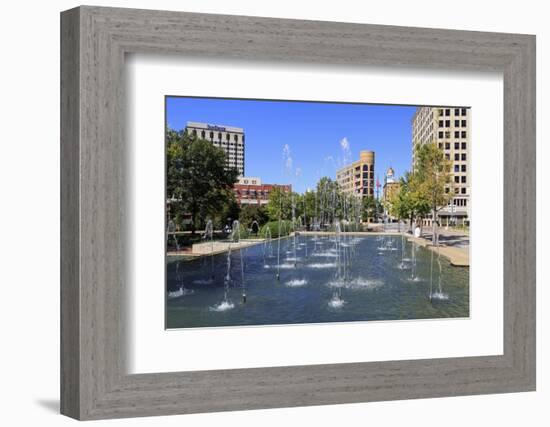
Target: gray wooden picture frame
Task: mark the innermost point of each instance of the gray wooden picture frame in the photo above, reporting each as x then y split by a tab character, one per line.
94	41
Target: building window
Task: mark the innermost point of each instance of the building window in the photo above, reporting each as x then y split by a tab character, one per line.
457	123
463	123
447	112
463	190
194	132
203	135
447	134
441	123
463	145
457	168
464	111
447	156
457	179
446	189
365	168
457	134
227	137
462	168
463	179
457	157
440	146
440	112
457	111
211	135
463	157
456	190
463	134
440	134
447	123
447	146
457	145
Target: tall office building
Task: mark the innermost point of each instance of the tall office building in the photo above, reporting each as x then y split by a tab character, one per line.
358	177
228	138
448	128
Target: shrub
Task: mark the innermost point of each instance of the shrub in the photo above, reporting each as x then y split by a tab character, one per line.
286	228
243	233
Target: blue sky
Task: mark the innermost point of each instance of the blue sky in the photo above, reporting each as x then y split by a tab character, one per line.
320	136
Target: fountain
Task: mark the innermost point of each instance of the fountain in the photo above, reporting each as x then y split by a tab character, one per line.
334	263
171	229
334	284
236	237
431	273
294	228
267	245
226	303
181	290
340	272
403	264
414	277
439	294
305	225
209	234
255	226
279	244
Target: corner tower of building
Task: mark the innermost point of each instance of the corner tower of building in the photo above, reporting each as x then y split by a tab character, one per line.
358	177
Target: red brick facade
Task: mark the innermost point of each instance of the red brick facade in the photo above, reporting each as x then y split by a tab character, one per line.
256	194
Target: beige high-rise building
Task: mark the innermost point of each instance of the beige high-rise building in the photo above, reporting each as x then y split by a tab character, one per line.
449	128
228	138
358	177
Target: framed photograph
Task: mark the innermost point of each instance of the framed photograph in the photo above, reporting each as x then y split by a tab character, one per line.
262	213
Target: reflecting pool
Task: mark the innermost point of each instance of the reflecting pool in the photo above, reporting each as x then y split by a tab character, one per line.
317	279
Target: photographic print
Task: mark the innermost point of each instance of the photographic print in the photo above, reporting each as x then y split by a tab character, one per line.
286	212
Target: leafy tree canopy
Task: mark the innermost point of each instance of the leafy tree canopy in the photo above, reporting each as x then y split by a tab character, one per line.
197	176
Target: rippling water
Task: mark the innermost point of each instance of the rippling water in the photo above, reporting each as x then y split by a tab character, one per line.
377	287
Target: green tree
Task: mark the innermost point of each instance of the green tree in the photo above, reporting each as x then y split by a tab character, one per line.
433	174
412	197
230	212
405	203
251	213
197	177
369	208
328	200
279	205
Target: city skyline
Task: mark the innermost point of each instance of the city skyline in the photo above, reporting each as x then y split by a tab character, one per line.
320	137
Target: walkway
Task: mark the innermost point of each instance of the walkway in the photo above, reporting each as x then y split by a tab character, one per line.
454	245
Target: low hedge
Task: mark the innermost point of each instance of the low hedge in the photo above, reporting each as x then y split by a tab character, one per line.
286	229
